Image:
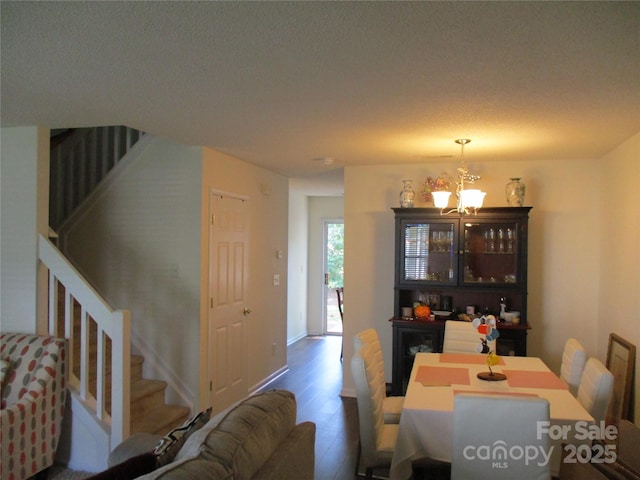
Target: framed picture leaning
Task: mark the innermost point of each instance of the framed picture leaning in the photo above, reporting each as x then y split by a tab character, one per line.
621	360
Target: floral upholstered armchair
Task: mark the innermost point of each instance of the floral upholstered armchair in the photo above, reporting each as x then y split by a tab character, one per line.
33	376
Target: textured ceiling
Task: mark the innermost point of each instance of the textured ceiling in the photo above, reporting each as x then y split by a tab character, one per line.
283	85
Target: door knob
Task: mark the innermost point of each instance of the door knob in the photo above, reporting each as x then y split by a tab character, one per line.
246	311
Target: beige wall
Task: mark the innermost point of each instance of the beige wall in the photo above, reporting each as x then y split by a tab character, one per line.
297	262
565	253
619	299
268	201
138	242
24	197
144	245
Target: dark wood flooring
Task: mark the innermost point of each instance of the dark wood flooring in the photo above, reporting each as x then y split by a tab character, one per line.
315	377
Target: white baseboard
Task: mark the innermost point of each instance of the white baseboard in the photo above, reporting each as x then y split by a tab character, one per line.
293	340
265	383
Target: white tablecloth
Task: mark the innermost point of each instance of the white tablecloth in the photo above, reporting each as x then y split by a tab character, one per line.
426	423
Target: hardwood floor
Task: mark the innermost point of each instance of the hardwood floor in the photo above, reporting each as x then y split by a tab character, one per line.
315	377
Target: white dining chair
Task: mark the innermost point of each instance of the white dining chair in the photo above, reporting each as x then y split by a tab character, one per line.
574	357
391	406
596	387
498	424
462	337
377	439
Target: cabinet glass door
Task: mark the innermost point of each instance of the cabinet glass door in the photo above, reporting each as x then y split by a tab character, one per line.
429	253
413	341
490	253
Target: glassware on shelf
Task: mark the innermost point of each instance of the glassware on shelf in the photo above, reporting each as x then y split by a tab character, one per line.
500	240
435	240
492	240
510	238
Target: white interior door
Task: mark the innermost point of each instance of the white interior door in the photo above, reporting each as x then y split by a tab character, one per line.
228	309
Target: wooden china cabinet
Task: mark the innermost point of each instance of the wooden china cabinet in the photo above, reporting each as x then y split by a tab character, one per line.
453	261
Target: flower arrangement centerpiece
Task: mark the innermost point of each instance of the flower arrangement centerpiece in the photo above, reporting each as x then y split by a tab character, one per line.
441	183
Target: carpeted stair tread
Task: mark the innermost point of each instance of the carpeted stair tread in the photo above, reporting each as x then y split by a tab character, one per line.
160	420
146	395
143	388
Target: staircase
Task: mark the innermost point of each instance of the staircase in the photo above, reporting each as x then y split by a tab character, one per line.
148	411
80	159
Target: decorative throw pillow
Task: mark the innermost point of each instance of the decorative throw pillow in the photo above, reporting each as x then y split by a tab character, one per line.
129	469
172	442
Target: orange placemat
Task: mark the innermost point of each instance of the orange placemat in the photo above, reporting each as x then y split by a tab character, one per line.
479	359
514	394
442	376
525	378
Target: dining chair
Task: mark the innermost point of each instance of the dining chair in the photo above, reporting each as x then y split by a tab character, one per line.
574	357
377	439
391	406
490	430
462	337
596	387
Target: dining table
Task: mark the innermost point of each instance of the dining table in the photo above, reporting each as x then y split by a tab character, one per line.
426	422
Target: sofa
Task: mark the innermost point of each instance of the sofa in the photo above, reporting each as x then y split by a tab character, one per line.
33	375
256	439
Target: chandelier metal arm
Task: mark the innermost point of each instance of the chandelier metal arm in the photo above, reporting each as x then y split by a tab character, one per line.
469	200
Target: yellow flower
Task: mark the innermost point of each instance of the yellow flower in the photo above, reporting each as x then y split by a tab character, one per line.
492	359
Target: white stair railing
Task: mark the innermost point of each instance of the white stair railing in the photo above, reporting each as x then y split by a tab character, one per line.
111	326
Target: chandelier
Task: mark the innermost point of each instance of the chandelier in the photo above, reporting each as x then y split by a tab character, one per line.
469	199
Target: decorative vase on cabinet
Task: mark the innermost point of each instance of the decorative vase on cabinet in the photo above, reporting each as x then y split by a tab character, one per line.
407	195
515	192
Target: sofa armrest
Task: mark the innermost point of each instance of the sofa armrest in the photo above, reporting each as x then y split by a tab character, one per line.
35	395
294	458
